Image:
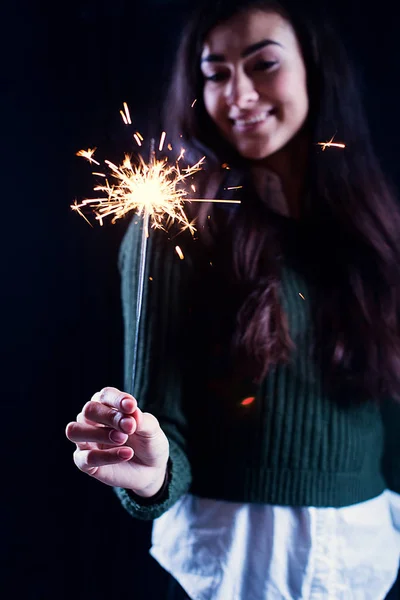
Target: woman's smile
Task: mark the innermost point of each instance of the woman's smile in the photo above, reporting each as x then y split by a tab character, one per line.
252	122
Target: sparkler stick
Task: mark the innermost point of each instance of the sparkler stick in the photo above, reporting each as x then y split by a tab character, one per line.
142	270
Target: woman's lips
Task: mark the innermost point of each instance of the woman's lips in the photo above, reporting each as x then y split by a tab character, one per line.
251	122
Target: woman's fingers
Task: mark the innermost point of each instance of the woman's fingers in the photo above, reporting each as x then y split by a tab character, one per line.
89	461
82	432
82	419
114	408
114	398
96	412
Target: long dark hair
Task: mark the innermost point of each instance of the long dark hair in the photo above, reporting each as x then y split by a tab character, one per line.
350	210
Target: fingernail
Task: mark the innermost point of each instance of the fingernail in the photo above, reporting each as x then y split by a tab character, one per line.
124	453
126	424
117	436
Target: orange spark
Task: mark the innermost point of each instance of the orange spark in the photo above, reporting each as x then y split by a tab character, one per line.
88	154
326	145
179	252
75	206
127	114
162	140
181	154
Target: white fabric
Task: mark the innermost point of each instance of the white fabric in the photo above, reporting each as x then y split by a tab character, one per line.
228	551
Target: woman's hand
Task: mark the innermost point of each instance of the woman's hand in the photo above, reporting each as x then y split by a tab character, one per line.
118	444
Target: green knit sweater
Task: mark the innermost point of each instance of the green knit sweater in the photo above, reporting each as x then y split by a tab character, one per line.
292	445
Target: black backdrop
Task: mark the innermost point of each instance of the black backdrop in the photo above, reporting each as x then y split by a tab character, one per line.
66	69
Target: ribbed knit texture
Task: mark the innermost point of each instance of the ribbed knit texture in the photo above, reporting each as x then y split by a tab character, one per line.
293	445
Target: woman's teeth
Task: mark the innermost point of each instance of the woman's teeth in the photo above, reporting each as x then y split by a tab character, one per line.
252	120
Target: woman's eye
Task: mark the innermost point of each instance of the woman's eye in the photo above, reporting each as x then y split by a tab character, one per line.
264	65
215	77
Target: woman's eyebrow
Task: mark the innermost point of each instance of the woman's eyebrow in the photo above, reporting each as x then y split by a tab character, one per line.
249	50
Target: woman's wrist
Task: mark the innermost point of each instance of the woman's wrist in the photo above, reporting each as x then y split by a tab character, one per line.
155	491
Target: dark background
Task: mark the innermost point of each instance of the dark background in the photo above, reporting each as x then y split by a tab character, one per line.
66	69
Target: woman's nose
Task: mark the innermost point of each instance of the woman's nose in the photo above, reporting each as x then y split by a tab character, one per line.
241	91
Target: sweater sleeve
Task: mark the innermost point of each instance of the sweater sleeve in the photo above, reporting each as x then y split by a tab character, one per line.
390	411
158	380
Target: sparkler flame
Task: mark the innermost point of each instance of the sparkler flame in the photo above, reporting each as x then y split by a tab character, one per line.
154	190
151	188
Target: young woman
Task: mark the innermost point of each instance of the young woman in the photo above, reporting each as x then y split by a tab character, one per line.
269	358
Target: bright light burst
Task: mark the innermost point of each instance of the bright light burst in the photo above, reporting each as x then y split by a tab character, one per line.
151	189
154	190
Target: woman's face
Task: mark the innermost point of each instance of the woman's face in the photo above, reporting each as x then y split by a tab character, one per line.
255	87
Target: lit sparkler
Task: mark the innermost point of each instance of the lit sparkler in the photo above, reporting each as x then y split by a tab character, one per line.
155	190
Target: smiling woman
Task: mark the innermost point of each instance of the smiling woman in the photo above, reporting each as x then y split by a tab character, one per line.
263	436
255	83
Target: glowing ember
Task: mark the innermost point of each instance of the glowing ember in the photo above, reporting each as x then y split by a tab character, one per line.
247	401
179	252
